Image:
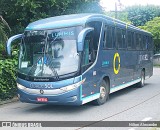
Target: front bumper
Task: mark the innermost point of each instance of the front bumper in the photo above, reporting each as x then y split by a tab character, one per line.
68	98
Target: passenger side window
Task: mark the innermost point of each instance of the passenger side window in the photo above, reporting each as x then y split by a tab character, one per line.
123	39
107	38
145	43
137	42
119	38
140	42
113	37
129	40
150	43
133	40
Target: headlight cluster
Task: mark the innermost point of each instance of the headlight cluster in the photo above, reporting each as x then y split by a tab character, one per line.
21	86
73	86
67	88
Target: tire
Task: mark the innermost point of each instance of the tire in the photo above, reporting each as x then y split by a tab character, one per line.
142	82
104	93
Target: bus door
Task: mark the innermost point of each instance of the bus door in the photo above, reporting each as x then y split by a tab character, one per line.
87	68
90	87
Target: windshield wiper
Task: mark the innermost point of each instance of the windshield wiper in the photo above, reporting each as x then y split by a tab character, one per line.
34	67
55	72
51	66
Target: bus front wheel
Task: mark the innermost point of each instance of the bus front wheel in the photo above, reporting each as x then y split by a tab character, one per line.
104	93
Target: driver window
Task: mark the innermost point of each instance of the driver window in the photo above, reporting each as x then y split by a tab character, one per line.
88	50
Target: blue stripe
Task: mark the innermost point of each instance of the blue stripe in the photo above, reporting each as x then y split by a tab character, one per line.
127	84
81	90
90	96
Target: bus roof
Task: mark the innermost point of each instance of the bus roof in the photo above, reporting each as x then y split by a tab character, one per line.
72	20
59	21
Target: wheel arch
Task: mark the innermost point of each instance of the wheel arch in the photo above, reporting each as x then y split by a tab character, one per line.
106	78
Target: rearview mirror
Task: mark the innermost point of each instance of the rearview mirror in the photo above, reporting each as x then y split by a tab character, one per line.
81	38
9	42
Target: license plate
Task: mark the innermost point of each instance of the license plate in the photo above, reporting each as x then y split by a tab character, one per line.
42	99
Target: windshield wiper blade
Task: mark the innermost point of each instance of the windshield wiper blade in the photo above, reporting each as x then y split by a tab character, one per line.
55	72
51	66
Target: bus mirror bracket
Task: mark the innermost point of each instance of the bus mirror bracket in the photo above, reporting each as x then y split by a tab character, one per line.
81	38
9	42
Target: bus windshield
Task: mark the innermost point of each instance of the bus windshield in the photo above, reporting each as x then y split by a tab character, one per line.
49	53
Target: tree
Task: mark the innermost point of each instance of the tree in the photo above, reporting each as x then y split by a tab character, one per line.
3	24
154	27
139	14
3	35
19	13
121	15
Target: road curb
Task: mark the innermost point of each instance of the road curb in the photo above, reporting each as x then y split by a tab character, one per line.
15	99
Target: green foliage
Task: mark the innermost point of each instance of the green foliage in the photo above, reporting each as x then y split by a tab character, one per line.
154	27
3	27
7	76
123	16
3	35
139	15
19	13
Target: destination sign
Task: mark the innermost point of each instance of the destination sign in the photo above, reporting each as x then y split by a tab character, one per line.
64	33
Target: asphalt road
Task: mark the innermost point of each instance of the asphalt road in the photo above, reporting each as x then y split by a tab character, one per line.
130	104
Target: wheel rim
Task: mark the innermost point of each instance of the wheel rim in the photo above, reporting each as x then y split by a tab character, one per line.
102	93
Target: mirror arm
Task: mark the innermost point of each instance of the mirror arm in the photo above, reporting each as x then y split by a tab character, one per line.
10	40
81	37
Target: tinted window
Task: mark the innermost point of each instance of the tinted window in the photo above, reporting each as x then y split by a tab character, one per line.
104	37
145	42
113	37
150	43
137	41
133	40
123	39
119	37
140	42
129	40
108	37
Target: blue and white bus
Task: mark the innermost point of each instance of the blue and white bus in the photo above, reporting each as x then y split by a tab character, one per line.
79	58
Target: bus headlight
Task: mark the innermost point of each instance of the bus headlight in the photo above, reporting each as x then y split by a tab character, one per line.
73	86
20	86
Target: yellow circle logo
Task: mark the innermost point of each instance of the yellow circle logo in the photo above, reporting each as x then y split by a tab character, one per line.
116	70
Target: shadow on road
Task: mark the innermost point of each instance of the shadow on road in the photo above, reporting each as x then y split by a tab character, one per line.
127	91
59	108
